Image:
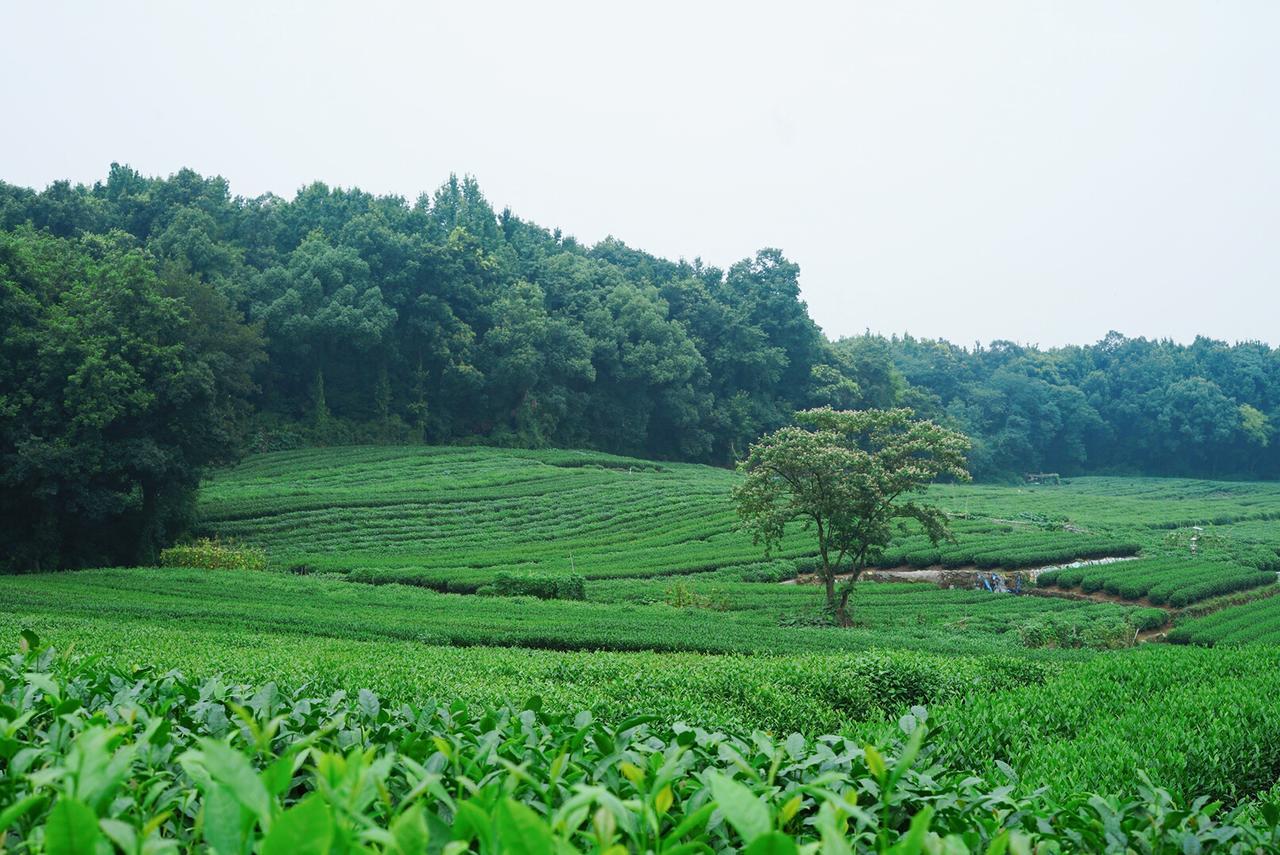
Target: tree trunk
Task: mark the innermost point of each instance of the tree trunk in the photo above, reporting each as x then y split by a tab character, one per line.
842	608
830	579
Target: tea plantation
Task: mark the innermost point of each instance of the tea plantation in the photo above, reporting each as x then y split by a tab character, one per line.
466	649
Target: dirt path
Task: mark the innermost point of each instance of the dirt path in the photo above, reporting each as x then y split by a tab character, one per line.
1100	597
966	576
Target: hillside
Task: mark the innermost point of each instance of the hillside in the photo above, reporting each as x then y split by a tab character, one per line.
384	595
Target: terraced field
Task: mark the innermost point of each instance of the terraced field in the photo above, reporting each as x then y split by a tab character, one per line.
1256	622
681	624
647	536
450	518
1176	580
782	619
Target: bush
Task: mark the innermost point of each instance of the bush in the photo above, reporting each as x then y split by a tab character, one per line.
779	570
348	765
682	596
1144	619
544	586
213	554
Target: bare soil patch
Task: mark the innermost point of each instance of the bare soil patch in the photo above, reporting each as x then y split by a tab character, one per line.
952	577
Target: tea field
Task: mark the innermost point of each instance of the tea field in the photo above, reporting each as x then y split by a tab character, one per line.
472	649
450	518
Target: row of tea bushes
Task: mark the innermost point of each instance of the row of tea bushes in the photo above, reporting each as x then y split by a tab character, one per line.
102	760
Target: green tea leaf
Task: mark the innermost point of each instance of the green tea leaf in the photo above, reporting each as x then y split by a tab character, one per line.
18	810
231	768
72	829
225	821
28	641
409	831
122	834
743	809
773	843
523	832
912	843
304	829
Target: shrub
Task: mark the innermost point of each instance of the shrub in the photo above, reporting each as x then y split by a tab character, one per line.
779	570
359	768
544	586
1106	633
1144	619
212	554
682	596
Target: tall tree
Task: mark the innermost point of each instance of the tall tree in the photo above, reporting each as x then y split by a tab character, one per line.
117	388
850	477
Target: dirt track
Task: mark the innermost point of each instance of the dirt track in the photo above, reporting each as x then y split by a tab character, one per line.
966	576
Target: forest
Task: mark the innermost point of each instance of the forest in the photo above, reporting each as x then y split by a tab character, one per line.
151	328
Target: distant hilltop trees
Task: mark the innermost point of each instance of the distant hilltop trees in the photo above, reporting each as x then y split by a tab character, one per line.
155	326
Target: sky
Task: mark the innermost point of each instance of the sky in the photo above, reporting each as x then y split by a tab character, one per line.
1041	172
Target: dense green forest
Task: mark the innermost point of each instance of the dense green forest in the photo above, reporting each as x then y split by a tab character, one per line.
153	327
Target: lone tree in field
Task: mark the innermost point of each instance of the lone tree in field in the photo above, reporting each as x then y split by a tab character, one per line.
850	476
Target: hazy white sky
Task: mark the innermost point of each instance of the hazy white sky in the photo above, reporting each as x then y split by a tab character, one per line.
1037	171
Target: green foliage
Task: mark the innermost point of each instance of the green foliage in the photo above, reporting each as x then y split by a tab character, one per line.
173	764
1110	633
1198	722
1177	580
985	546
1256	622
120	382
681	596
508	583
213	554
776	570
780	693
849	474
439	318
1122	404
915	616
449	518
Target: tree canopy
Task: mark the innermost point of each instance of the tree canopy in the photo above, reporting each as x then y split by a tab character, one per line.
119	382
339	316
852	478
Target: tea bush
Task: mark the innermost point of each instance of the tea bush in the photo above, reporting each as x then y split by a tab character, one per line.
212	554
1256	622
101	759
1202	723
1177	580
508	583
450	518
901	615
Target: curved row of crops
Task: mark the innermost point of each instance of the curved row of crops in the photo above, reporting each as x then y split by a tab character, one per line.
451	518
1135	503
785	620
1176	580
987	549
1256	622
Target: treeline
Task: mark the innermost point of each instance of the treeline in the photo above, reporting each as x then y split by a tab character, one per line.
1123	405
153	327
440	319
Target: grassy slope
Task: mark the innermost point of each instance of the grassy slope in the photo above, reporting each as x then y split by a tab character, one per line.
457	515
908	616
451	517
